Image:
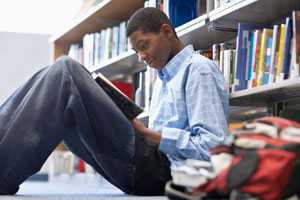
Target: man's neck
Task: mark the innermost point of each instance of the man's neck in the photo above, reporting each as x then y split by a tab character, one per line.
177	47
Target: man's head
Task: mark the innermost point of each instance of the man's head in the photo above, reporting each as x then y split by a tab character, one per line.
152	36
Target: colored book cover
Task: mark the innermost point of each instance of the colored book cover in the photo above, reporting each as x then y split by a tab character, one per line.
266	34
287	48
250	57
266	74
279	64
256	48
274	54
181	12
202	8
296	28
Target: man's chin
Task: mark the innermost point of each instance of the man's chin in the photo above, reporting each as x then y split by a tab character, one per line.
154	66
151	65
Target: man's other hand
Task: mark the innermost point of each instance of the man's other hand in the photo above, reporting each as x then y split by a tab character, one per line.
146	132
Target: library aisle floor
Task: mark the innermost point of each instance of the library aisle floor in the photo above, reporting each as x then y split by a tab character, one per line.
75	189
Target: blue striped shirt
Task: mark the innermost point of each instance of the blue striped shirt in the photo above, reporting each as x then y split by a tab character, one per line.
189	106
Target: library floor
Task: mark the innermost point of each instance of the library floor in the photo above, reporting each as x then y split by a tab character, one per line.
72	190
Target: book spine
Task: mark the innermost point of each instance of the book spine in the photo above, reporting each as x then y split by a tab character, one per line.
273	54
279	72
262	57
287	48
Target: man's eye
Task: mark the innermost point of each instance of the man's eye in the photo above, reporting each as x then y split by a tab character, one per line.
143	46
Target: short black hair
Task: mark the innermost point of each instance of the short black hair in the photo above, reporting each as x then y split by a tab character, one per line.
148	20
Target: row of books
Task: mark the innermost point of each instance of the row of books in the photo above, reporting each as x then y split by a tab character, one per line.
261	54
112	41
267	53
226	63
181	12
224	54
144	88
100	46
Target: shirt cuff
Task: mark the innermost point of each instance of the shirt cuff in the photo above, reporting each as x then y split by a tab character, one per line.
169	138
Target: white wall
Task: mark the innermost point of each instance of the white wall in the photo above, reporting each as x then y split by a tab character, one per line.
37	16
21	55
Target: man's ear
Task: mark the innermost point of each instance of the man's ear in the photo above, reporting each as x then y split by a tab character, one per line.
167	30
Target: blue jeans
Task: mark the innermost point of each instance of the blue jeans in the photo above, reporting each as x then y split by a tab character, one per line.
63	103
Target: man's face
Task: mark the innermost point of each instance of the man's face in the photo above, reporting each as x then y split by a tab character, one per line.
152	48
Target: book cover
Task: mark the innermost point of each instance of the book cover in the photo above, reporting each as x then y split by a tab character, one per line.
127	106
228	67
122	38
287	48
97	60
274	53
108	43
241	60
201	7
255	61
217	3
166	7
266	34
295	45
210	5
266	74
182	11
126	88
115	42
279	64
296	29
249	70
294	67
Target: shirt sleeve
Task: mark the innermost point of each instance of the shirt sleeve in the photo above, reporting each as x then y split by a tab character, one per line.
207	118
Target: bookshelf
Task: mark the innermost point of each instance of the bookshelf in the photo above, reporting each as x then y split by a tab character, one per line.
105	14
216	26
220	24
125	63
267	94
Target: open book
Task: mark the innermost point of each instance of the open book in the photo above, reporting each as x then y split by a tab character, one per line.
127	106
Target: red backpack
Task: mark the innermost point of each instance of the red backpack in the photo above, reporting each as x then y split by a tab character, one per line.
265	163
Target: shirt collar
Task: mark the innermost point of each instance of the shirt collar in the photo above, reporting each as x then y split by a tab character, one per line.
172	67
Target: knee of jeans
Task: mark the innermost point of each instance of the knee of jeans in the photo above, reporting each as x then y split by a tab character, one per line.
66	62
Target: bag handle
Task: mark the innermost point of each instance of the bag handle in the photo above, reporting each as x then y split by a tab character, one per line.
241	172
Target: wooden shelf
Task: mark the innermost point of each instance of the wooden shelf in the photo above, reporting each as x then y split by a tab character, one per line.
215	26
256	11
266	94
105	14
124	64
199	33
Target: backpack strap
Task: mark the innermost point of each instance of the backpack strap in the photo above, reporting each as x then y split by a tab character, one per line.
294	180
241	172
